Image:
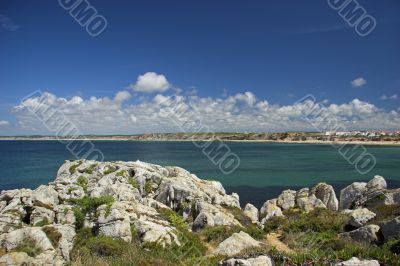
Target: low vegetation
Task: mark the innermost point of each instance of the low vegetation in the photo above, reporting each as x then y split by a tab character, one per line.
89	205
29	247
73	167
314	239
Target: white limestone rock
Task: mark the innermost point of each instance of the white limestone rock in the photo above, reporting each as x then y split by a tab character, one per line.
235	244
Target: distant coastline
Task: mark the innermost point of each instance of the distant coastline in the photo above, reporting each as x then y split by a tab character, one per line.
298	138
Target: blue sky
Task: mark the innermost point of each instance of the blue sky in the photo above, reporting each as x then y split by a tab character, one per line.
279	51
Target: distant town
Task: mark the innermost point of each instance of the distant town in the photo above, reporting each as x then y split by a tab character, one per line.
367	137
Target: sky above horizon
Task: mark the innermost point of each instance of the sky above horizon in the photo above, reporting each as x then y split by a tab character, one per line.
235	65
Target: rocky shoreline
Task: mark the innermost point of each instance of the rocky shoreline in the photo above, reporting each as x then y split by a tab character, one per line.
90	204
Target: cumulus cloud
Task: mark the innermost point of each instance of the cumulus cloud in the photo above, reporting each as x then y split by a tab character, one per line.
390	97
238	112
4	123
7	24
358	82
151	82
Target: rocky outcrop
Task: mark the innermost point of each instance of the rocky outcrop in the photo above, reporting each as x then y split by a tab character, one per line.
235	244
287	199
113	199
262	260
251	212
327	195
357	262
269	210
360	193
359	217
391	229
368	234
125	199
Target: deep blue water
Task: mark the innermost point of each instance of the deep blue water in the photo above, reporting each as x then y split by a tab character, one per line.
265	168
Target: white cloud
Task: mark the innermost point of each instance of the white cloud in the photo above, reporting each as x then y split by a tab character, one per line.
390	97
358	82
7	24
4	123
122	96
239	112
151	82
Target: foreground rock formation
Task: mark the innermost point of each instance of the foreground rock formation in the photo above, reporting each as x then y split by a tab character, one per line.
38	227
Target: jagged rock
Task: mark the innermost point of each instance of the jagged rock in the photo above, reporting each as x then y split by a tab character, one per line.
327	195
269	210
210	215
307	201
114	221
391	229
356	262
373	193
376	183
257	261
235	244
367	233
350	193
388	197
10	221
286	199
33	235
154	232
64	214
251	212
359	217
40	214
45	196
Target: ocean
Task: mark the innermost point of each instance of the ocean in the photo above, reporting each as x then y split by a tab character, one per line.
265	168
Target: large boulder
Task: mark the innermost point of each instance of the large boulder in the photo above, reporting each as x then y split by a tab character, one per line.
368	234
307	201
41	215
357	262
391	229
287	199
235	244
327	195
154	231
45	196
211	215
269	210
359	217
114	221
262	260
376	183
251	212
350	193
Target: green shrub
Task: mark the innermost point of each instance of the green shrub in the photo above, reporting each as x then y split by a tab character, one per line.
79	218
217	234
318	220
121	173
42	222
105	246
91	168
239	215
148	187
109	170
89	204
73	167
133	182
53	235
70	189
83	182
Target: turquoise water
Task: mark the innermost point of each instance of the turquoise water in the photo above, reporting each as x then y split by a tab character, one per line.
265	168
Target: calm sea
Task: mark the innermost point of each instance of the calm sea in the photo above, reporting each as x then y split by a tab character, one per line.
265	168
